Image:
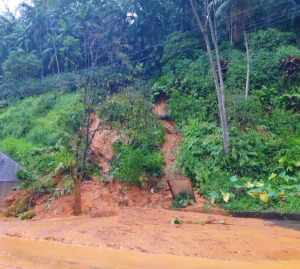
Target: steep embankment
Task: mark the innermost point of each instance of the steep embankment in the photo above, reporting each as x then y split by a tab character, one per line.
173	138
106	198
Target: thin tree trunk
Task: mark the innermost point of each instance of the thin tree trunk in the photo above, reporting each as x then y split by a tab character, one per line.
77	180
248	62
231	31
55	51
77	207
42	68
223	115
220	92
47	36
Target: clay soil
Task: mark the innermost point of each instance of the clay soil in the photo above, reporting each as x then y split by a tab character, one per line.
149	230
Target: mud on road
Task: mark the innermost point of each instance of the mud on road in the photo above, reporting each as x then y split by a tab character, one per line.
147	230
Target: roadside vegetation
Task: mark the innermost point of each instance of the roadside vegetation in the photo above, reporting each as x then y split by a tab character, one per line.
238	110
263	168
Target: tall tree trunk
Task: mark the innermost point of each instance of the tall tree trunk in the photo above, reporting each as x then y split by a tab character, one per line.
77	207
224	122
248	62
231	31
220	91
42	68
55	51
46	7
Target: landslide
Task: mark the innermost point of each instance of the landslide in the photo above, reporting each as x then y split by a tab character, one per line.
109	198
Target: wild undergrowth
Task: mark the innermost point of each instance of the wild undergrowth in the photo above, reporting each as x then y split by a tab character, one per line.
262	170
37	130
138	148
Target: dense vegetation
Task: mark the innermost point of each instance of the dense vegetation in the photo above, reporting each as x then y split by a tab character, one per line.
264	129
139	52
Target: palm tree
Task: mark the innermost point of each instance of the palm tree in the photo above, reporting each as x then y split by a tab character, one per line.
55	50
34	19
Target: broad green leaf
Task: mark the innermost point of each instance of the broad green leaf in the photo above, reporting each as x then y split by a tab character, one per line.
233	179
297	187
239	186
272	194
282	174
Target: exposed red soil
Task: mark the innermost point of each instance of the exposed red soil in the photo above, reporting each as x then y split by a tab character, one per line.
102	151
101	200
173	139
108	198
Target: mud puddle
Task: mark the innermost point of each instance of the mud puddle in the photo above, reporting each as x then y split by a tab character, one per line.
23	253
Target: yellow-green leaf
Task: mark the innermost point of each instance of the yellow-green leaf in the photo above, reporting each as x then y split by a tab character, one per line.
249	185
226	197
263	197
259	185
273	175
253	194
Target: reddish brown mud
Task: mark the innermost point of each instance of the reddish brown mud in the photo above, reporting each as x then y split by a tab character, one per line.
22	253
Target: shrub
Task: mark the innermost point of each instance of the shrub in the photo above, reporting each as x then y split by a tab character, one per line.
21	66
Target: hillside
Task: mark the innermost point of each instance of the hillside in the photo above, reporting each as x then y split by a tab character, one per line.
133	145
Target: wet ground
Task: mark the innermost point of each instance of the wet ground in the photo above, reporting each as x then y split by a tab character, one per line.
145	238
22	253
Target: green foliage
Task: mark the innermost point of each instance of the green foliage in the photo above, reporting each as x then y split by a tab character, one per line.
71	51
174	48
44	185
25	178
33	131
264	129
270	39
27	215
132	164
21	66
140	137
181	201
67	188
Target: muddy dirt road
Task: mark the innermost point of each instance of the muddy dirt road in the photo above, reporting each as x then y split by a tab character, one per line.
138	232
22	253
